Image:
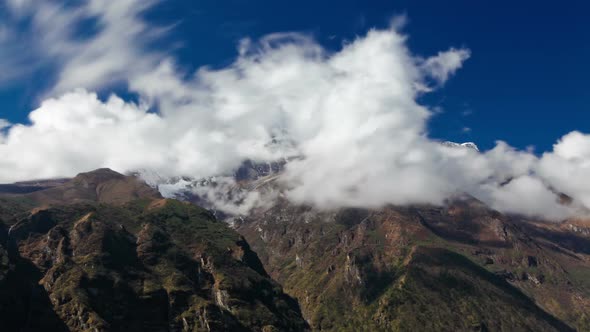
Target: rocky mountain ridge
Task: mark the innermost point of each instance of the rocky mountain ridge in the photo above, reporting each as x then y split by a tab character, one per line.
469	145
103	252
459	267
318	256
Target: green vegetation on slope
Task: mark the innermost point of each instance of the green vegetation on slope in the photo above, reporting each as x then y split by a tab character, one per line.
149	265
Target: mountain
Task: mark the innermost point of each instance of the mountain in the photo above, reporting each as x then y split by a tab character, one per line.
30	186
457	267
461	267
469	145
78	248
102	186
104	252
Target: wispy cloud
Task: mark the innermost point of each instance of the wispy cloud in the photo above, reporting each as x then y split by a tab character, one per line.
444	64
45	34
4	123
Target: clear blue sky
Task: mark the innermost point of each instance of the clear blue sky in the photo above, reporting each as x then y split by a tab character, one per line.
527	81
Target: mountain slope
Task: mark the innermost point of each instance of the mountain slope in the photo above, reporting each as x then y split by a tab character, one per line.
458	267
341	264
454	268
132	264
99	186
102	185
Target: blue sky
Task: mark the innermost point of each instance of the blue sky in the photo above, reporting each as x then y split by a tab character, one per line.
526	81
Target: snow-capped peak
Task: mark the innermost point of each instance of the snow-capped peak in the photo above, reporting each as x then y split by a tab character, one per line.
469	145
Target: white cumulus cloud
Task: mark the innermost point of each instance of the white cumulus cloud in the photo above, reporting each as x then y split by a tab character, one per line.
349	120
567	168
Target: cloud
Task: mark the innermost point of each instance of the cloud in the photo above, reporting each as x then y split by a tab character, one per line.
348	120
4	124
76	132
19	6
43	34
467	112
567	168
227	196
444	64
529	196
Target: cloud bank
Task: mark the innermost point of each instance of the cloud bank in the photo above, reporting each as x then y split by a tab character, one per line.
349	119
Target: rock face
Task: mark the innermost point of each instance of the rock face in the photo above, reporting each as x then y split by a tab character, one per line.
461	267
132	262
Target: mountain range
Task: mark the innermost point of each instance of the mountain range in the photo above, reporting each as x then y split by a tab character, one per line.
106	252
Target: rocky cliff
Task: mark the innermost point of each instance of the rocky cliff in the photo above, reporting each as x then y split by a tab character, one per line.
119	258
458	267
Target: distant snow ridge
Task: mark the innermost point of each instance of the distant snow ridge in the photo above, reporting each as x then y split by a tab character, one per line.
181	186
233	193
169	187
469	145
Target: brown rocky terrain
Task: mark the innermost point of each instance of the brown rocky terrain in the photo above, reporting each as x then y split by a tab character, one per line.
460	267
103	252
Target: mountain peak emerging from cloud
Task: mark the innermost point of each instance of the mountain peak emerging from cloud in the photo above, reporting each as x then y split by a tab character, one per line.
469	145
